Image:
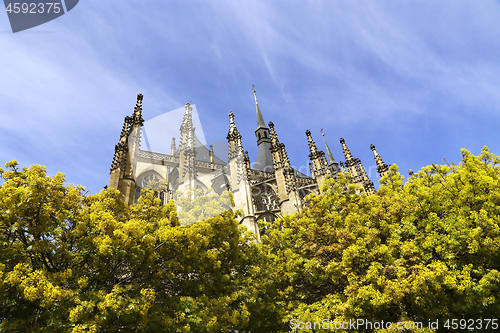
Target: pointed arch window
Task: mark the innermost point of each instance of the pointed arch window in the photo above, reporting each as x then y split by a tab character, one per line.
154	182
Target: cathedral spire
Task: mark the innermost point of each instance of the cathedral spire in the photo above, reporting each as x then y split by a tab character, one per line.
333	166
260	119
382	168
328	151
264	160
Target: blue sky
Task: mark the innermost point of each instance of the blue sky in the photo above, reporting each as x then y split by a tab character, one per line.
419	79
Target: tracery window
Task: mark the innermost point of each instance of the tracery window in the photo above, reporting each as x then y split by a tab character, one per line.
153	182
265	198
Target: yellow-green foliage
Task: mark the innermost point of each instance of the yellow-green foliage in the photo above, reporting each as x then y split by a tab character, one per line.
76	263
425	250
195	206
429	249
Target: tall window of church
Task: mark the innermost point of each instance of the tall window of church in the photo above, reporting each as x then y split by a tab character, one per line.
153	182
265	134
259	135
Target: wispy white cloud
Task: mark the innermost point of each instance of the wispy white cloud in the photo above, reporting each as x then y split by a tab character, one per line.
357	68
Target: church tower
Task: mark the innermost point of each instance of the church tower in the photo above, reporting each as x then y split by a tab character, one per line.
264	160
126	151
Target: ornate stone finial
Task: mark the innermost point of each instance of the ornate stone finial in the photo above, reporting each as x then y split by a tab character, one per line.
246	161
211	155
233	131
365	181
312	145
382	168
317	157
275	142
234	138
347	153
271	126
137	115
172	147
125	129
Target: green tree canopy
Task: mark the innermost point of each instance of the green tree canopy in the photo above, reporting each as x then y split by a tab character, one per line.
76	263
195	206
427	250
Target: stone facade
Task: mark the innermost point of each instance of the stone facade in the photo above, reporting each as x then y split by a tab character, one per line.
266	191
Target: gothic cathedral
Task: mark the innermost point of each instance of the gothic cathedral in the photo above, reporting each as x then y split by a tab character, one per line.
268	190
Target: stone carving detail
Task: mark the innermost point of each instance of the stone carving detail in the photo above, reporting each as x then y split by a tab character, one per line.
265	198
158	156
152	181
382	168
